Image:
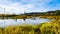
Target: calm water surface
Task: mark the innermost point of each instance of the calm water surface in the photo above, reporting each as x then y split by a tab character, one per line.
8	22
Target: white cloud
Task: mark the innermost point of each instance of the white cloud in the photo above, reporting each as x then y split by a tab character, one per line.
15	8
19	6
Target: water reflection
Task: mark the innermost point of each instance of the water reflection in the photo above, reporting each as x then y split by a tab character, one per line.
7	22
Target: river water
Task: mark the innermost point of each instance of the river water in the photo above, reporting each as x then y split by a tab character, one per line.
8	22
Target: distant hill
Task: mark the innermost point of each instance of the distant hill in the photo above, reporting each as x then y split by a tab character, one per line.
51	13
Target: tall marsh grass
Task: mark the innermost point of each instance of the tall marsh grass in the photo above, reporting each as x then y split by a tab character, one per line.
43	28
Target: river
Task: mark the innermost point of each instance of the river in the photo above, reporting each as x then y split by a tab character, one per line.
8	22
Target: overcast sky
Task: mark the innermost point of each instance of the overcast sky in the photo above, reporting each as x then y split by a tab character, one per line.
19	6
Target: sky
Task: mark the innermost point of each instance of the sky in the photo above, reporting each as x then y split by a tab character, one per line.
19	6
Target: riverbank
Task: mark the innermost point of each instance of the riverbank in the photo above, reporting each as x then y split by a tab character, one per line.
50	17
27	17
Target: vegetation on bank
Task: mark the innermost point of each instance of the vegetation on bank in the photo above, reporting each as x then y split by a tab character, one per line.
43	28
49	14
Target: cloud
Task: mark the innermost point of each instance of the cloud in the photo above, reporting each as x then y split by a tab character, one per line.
19	6
14	8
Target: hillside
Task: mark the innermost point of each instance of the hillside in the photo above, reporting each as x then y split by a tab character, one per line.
48	13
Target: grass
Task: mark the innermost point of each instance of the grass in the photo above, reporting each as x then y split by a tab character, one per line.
52	27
